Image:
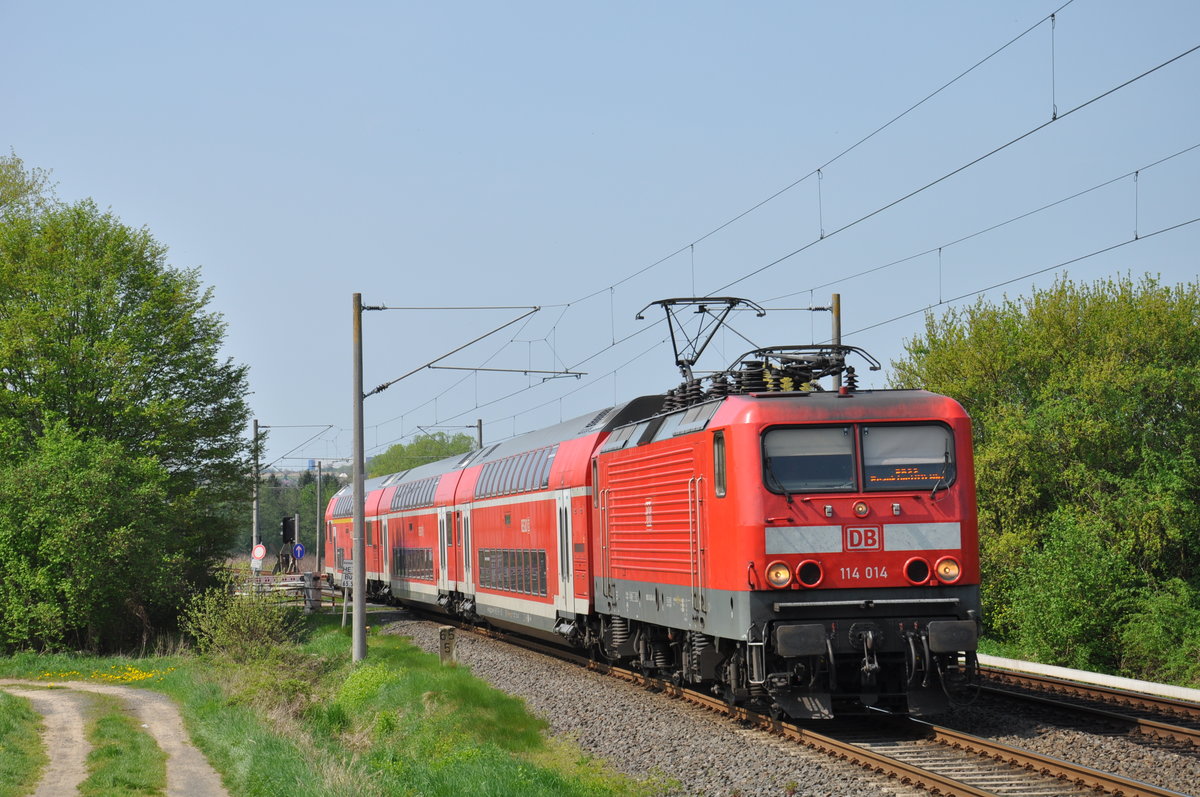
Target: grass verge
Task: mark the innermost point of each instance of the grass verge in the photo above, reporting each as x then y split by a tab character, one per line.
300	719
125	760
21	755
307	721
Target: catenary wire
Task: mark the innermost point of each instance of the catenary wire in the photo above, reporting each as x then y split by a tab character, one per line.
986	230
953	172
815	171
1144	237
1077	108
832	160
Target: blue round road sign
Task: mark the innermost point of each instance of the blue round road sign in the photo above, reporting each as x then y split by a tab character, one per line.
298	550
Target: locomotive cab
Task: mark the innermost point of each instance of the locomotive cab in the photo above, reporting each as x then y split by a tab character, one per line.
864	593
811	553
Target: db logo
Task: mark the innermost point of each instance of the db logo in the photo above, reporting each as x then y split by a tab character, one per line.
862	538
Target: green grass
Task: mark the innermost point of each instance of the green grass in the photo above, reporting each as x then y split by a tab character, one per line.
301	720
305	721
21	754
124	760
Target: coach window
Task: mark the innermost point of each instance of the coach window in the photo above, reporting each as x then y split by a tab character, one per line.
510	465
528	466
547	462
808	459
719	463
907	457
487	478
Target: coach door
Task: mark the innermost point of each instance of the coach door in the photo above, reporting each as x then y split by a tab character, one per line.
385	551
467	572
445	547
565	599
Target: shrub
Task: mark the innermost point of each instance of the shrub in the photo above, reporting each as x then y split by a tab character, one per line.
250	624
1069	597
1160	639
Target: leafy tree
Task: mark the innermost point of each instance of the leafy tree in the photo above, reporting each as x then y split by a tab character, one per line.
424	449
1086	408
104	348
82	529
21	191
277	498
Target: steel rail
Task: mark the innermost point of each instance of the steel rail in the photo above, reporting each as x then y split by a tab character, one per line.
1107	694
1102	694
1046	765
1160	730
906	773
1036	765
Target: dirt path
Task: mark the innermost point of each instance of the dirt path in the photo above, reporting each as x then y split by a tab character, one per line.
188	773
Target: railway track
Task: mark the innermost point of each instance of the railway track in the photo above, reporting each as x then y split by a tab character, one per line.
1152	715
928	756
917	754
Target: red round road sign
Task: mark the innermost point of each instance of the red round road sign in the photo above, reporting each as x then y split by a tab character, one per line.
260	551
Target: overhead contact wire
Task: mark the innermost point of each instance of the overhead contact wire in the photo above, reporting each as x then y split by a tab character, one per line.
817	171
958	170
835	158
1054	267
985	230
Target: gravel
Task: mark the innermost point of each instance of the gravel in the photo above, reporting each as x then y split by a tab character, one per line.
646	734
1168	765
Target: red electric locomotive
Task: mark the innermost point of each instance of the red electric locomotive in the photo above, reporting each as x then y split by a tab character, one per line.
805	551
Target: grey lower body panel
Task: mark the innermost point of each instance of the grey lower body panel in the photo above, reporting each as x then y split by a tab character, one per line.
730	614
404	591
516	619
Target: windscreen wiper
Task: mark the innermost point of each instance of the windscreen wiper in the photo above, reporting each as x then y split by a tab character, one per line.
941	477
775	478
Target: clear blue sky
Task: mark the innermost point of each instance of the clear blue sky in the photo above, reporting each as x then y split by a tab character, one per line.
479	153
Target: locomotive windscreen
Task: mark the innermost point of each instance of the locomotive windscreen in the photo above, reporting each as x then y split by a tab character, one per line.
807	459
906	457
823	459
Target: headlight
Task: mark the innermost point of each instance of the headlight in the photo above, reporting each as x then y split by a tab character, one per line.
779	575
947	569
861	509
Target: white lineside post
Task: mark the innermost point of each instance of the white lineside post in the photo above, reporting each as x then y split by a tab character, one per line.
446	645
